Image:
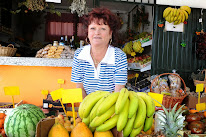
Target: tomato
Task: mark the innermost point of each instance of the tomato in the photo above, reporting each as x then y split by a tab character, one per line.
197	131
193	117
196	124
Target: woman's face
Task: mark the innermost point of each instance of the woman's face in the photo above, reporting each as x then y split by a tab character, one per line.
99	34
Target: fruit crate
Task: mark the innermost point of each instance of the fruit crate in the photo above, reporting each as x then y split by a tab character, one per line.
8	106
138	65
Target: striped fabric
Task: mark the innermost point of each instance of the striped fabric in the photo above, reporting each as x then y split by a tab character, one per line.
105	76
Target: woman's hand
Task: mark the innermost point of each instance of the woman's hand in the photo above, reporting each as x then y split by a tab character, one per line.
80	85
118	88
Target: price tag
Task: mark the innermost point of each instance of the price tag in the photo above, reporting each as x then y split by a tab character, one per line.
12	90
137	75
44	92
200	106
57	94
200	19
199	87
72	95
60	81
156	96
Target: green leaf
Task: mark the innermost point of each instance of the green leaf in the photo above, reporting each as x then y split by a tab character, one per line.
58	13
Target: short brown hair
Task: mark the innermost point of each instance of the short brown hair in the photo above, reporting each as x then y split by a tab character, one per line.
109	19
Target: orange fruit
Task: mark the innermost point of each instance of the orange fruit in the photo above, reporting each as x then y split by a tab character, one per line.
1	123
193	111
205	114
2	115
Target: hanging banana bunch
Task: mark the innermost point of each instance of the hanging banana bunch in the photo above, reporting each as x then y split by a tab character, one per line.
176	15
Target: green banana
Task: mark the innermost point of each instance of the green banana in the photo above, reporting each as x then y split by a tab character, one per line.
109	124
91	101
86	121
85	100
141	114
149	102
107	103
123	96
136	131
98	120
94	109
133	104
123	115
92	128
148	123
128	128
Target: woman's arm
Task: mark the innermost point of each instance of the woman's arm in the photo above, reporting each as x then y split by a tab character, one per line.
118	88
80	85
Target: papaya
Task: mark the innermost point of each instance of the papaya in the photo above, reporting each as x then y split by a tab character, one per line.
81	130
58	130
103	134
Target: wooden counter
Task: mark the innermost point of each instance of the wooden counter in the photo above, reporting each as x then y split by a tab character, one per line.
33	75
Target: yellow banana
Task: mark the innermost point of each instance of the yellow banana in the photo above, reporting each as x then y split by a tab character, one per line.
178	12
183	16
107	103
166	12
85	102
148	123
141	114
123	96
86	121
172	18
136	131
91	101
186	14
109	124
175	12
175	18
122	120
186	8
149	103
128	128
168	18
172	12
133	103
98	120
94	109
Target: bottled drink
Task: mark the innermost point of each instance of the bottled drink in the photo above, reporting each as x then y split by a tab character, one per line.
72	44
66	42
61	42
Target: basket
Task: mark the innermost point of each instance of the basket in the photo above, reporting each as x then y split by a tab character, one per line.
7	51
169	101
201	82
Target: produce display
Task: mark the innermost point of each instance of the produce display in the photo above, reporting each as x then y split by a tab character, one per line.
2	119
22	121
176	15
51	51
127	110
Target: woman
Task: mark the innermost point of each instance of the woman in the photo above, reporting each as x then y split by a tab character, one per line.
100	65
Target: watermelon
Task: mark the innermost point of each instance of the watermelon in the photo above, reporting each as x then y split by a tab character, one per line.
22	121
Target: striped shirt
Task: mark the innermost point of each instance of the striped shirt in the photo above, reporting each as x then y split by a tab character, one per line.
110	71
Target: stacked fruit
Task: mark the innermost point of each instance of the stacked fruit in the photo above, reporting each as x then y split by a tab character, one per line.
2	119
129	111
137	46
176	15
128	48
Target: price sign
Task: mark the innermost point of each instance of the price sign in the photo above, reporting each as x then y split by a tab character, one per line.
156	97
60	81
200	106
12	90
72	96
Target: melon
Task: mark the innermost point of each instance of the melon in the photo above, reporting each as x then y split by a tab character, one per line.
22	121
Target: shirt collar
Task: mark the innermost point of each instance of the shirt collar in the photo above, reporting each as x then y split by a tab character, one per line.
109	57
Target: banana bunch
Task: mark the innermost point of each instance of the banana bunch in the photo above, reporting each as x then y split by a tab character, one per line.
137	47
129	111
176	15
128	48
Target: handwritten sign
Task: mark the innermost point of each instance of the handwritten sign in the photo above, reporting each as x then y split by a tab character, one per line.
57	94
200	106
156	96
199	87
12	90
60	81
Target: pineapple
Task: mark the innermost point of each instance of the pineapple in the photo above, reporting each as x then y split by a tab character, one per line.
170	119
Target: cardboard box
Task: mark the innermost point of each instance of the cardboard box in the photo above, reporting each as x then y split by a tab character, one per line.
191	101
7	110
43	127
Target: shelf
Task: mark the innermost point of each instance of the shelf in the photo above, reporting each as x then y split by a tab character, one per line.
148	43
141	69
